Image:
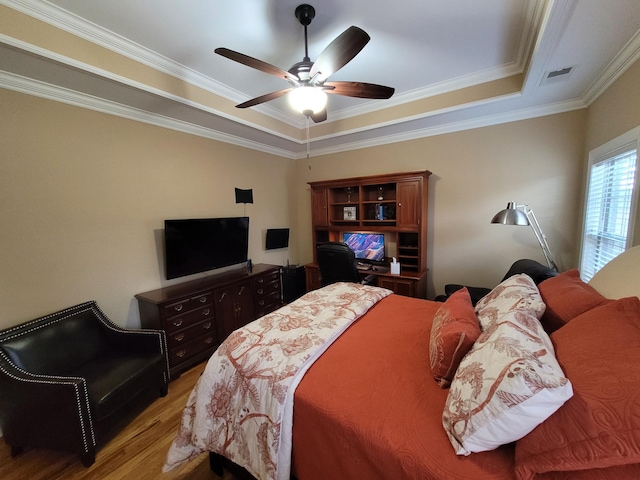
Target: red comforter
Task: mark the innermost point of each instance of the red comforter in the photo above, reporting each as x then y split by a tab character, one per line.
369	408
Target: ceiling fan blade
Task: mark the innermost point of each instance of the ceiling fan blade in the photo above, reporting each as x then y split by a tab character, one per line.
257	64
320	116
359	89
263	98
339	52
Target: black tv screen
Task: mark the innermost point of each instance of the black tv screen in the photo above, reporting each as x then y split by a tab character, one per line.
197	245
277	238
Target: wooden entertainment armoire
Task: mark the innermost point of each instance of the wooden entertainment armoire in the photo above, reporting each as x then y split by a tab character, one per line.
394	204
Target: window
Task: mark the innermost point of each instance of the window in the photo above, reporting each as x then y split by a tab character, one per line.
610	203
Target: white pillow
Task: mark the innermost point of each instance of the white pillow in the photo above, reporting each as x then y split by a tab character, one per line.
518	292
508	383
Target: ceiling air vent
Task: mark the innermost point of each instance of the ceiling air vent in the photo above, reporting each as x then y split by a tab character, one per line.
556	75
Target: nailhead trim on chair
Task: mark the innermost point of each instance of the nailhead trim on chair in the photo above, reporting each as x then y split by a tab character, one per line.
91	305
69	381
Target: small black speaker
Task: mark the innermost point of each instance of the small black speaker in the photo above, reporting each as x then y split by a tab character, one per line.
244	196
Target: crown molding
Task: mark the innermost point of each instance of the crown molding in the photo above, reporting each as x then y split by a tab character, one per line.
485	121
93	33
56	93
628	55
89	31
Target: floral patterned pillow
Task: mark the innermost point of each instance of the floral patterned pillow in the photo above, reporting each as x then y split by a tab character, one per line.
454	331
509	382
516	293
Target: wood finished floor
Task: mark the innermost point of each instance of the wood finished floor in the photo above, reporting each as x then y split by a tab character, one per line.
138	452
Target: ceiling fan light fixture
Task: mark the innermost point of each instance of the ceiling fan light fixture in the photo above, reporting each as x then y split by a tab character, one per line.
307	99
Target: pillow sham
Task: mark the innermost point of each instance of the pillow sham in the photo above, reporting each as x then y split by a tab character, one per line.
600	426
505	386
454	331
516	293
566	297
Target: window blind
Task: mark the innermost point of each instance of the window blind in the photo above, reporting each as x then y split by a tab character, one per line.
609	196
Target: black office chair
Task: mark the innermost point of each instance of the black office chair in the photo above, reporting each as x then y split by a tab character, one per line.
337	263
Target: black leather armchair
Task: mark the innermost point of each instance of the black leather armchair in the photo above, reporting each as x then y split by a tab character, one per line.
535	270
337	263
71	379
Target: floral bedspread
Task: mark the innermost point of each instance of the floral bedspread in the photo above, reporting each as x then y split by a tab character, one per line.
242	405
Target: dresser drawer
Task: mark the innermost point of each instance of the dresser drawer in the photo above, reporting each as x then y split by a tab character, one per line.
202	299
268	304
179	322
273	277
184	352
177	308
267	288
181	337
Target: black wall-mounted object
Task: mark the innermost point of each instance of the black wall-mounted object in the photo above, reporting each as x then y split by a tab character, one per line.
197	245
277	238
244	196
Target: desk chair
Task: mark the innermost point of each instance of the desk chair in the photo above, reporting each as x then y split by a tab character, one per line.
337	263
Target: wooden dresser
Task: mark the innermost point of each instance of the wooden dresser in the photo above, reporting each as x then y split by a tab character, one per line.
198	315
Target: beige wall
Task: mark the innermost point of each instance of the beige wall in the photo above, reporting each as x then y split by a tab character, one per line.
83	197
475	174
615	112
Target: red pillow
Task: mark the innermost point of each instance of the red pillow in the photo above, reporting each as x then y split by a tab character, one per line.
599	426
566	296
454	331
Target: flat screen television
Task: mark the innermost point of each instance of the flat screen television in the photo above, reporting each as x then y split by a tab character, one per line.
277	238
367	246
197	245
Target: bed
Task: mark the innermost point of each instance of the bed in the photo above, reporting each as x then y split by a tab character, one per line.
368	402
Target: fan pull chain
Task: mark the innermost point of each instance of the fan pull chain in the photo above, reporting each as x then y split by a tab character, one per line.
308	161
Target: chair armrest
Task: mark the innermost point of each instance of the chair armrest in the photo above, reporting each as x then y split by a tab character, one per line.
43	406
135	340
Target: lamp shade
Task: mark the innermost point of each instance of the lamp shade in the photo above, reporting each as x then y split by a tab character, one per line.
308	100
511	216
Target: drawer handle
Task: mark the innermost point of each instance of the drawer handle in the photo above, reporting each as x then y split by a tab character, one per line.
208	340
181	353
177	323
178	308
207	326
261	280
203	299
206	312
179	338
260	291
261	303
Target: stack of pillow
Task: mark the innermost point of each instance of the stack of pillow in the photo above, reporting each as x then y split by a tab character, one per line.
508	363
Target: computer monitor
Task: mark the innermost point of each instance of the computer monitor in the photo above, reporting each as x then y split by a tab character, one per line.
367	246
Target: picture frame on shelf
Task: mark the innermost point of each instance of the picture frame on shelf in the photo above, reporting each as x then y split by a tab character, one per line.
350	213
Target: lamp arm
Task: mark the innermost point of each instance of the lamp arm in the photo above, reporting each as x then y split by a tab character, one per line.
540	236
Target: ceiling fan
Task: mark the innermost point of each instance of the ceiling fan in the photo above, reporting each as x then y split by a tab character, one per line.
308	79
